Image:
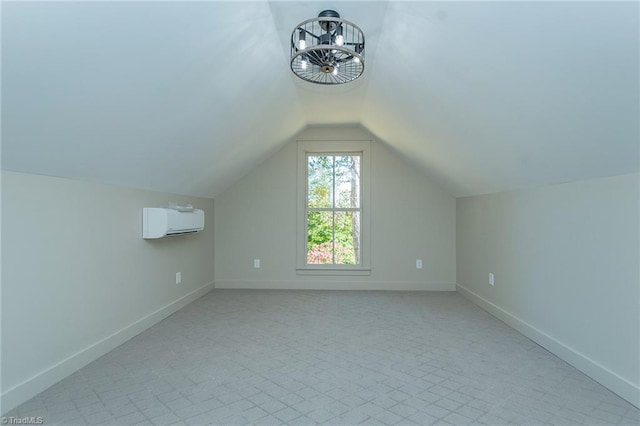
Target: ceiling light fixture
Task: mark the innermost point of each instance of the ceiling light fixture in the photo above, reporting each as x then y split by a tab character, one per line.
327	49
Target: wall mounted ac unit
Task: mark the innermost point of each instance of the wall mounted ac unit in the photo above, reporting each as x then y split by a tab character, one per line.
163	222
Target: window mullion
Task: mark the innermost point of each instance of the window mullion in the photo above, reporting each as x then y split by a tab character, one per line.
338	209
333	208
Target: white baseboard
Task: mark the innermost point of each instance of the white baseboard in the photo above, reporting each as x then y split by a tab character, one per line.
52	375
336	285
598	372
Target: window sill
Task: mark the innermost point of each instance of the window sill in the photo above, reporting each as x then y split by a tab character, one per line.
326	271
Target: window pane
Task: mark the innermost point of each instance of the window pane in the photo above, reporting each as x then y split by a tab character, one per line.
320	181
347	238
319	238
347	181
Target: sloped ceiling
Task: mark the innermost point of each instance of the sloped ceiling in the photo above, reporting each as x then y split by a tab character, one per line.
186	97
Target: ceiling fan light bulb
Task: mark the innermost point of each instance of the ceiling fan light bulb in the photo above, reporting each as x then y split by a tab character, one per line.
302	40
339	36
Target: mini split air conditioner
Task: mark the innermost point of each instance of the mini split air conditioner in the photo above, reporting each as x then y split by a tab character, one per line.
163	222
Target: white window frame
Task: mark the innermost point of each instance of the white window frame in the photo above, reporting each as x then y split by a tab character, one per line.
363	148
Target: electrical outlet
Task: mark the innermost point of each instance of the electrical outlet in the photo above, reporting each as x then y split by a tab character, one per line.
178	277
418	263
491	278
256	263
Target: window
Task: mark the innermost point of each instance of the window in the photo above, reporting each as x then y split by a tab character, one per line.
333	197
333	209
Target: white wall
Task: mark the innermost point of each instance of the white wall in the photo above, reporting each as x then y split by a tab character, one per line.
410	218
566	265
78	279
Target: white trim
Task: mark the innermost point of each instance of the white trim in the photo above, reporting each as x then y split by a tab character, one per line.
336	271
598	372
336	285
52	375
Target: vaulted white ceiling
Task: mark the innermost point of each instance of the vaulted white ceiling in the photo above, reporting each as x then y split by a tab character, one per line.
186	97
